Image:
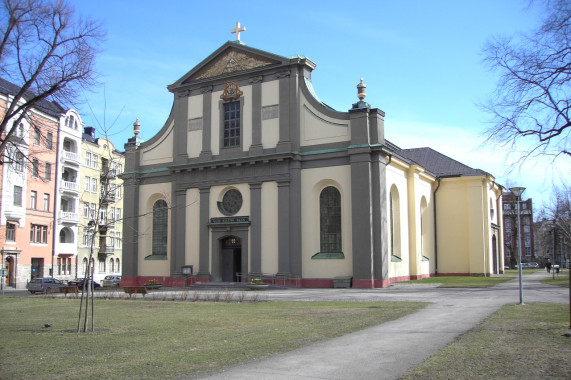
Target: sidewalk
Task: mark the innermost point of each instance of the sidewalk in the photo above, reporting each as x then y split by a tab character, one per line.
387	351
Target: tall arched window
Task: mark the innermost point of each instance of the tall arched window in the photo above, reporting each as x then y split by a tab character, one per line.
330	220
394	223
160	227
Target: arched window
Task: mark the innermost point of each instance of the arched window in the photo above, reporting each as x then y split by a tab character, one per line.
160	227
330	220
118	266
394	222
424	224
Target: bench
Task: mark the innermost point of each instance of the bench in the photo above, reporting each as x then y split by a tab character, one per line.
135	289
68	289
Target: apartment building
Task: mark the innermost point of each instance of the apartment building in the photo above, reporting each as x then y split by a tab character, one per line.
100	222
509	204
28	191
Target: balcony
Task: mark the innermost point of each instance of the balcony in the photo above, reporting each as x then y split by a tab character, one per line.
107	197
70	187
107	173
68	217
71	157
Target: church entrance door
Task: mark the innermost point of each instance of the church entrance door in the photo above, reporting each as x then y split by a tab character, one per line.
231	258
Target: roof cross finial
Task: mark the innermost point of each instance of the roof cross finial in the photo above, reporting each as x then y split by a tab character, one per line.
238	30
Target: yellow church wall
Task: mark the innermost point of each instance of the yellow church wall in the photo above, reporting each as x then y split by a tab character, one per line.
270	127
192	238
270	236
464	230
313	181
215	122
161	151
194	137
315	126
148	195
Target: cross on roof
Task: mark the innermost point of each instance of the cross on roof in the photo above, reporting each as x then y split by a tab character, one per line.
238	30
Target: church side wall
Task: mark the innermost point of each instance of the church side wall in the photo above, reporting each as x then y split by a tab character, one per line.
313	182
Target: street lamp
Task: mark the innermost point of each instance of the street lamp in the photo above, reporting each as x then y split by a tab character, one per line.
518	191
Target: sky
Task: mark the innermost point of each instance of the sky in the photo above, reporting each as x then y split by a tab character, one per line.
422	62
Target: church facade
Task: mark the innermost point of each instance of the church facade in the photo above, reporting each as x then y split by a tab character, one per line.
253	174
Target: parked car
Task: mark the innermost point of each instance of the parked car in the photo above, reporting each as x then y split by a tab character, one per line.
528	265
44	285
533	265
111	280
79	283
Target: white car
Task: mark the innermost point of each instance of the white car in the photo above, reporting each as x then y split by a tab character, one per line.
111	280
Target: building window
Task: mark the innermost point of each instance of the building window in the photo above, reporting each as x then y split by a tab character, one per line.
118	215
231	124
46	202
92	210
86	237
87	159
117	239
160	227
48	172
17	196
35	168
19	161
38	234
94	185
102	266
86	210
50	140
33	199
10	232
330	220
94	163
36	136
394	223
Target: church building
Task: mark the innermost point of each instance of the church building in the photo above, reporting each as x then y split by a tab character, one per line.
252	174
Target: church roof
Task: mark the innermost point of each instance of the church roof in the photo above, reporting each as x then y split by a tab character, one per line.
51	108
438	163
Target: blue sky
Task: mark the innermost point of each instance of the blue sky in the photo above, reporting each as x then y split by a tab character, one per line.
421	61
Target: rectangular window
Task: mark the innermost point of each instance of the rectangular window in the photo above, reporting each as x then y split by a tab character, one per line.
19	161
46	202
111	239
94	161
102	266
117	239
118	192
118	215
87	184
38	234
102	216
33	200
48	171
94	185
528	251
232	133
50	140
112	214
86	237
86	210
10	232
17	196
92	210
35	168
87	159
36	136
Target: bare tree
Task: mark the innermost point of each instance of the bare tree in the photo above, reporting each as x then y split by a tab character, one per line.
48	53
530	106
557	215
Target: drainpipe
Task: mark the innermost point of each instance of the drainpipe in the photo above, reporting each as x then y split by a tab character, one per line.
435	228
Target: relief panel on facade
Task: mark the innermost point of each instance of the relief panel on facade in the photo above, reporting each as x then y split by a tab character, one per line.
232	62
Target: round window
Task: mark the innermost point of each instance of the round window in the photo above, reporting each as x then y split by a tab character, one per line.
231	202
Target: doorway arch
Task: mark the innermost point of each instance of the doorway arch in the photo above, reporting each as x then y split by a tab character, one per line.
230	258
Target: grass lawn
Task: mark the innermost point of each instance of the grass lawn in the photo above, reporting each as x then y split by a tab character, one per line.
517	342
138	339
561	279
515	272
462	281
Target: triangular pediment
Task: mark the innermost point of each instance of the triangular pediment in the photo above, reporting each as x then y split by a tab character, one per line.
229	59
232	61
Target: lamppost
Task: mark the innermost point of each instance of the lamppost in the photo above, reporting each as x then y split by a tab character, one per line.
518	191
